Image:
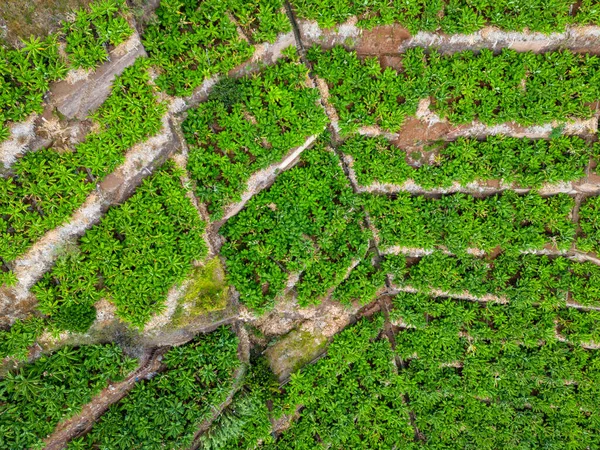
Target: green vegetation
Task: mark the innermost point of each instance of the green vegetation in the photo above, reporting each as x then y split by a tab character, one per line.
245	423
132	257
164	412
49	185
364	94
466	374
307	223
193	40
37	396
25	76
523	162
589	221
361	285
247	125
350	399
16	341
525	88
524	279
494	376
458	221
453	16
89	35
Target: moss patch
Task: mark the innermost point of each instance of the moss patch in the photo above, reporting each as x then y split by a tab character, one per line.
207	292
293	351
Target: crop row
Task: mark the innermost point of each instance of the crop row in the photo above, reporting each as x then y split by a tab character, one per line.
458	222
453	16
246	125
193	40
47	186
522	162
525	88
309	223
165	411
37	396
26	73
524	279
132	258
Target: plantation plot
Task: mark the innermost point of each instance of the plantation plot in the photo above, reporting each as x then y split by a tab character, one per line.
164	412
309	224
196	39
37	396
247	125
458	16
523	163
50	184
494	376
524	88
350	399
458	222
459	374
132	258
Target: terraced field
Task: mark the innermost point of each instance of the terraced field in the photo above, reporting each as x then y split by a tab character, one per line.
298	225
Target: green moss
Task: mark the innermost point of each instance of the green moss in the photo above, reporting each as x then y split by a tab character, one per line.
207	292
295	350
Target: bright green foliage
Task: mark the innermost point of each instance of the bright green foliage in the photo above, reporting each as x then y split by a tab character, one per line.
246	421
132	257
579	326
350	399
36	397
260	20
361	285
16	341
524	279
164	412
525	88
241	426
250	124
26	73
25	76
307	223
525	162
49	185
92	31
193	40
494	376
589	221
458	221
452	16
365	94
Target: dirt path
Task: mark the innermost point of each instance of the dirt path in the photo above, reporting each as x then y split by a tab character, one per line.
390	40
90	413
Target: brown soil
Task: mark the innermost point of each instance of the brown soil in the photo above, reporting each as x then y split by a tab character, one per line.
415	133
382	40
